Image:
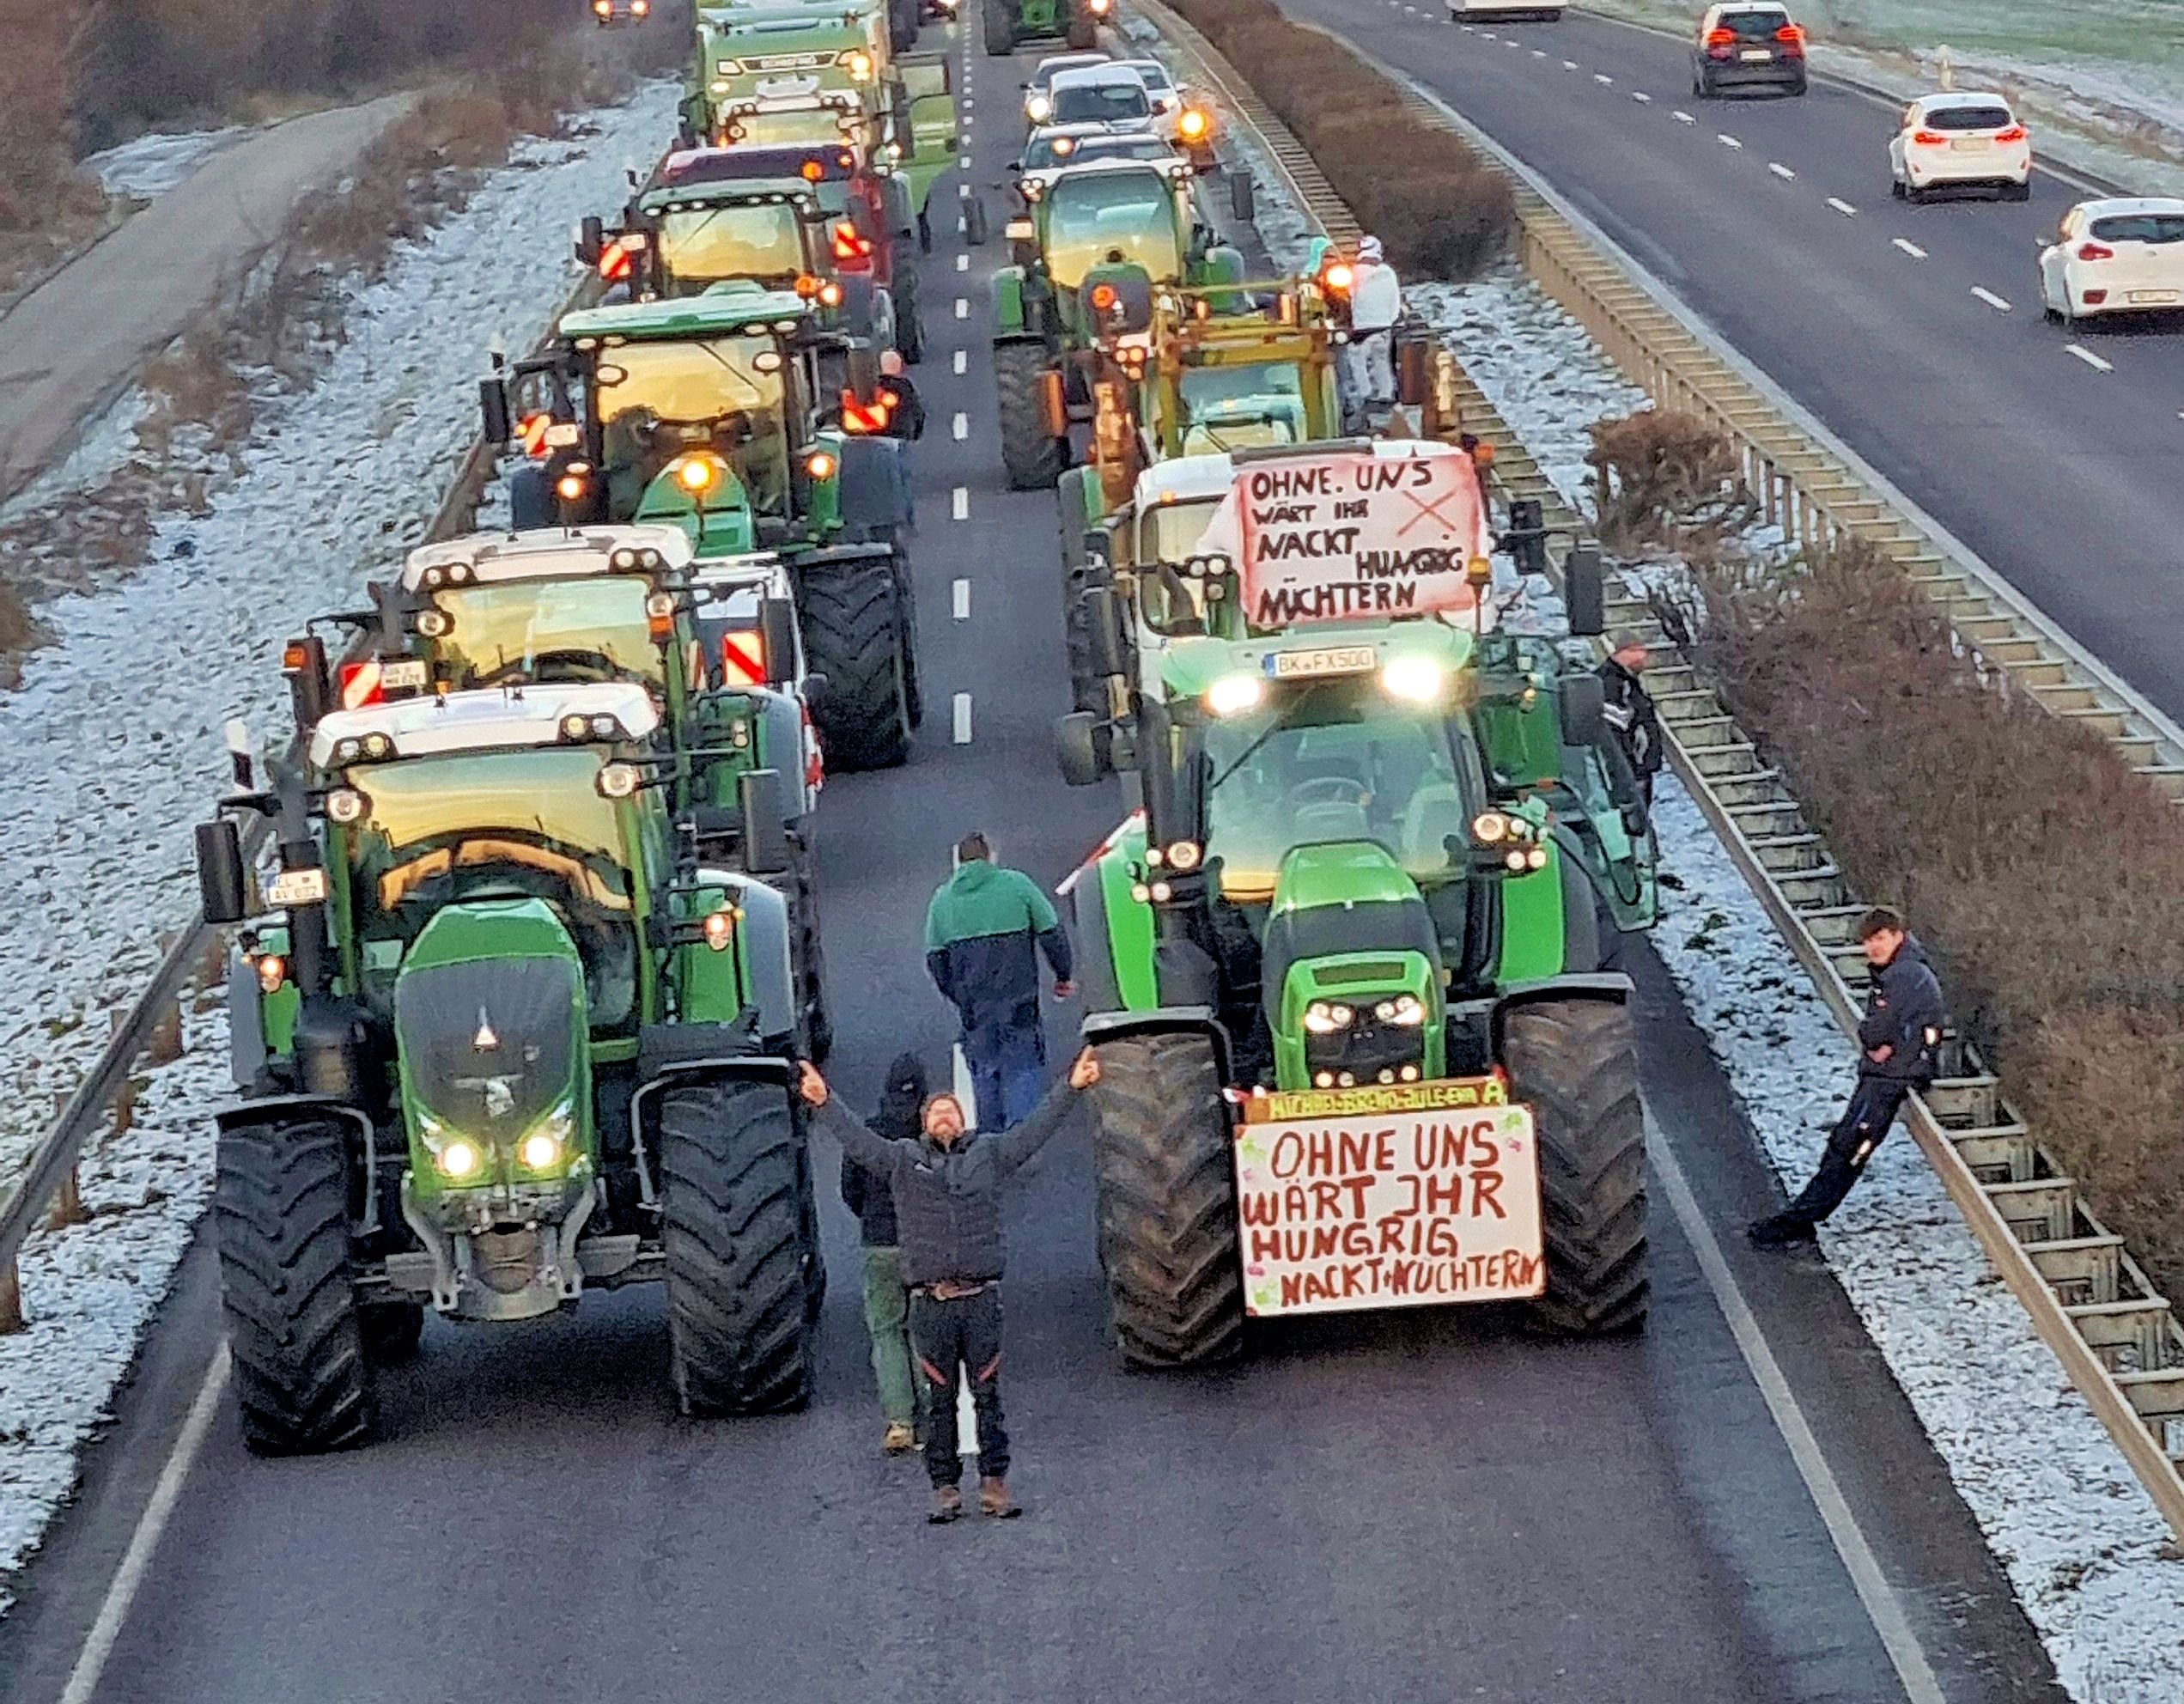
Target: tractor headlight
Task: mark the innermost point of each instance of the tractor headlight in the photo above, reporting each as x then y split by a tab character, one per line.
1415	680
1232	694
545	1147
1184	856
719	929
461	1159
379	746
1037	108
436	623
1409	1011
618	781
1490	828
346	804
1192	125
1323	1020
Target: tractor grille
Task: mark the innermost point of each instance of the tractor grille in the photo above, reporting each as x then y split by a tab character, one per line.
488	1044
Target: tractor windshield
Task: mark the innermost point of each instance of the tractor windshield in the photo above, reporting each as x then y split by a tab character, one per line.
1171	532
1096	218
591	629
802	125
702	246
1339	760
1235	408
658	400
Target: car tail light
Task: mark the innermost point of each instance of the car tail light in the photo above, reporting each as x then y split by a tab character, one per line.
2014	133
1719	42
2093	298
1792	38
2094	251
1929	138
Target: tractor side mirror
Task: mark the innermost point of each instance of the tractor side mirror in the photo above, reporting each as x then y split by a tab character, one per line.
1582	701
1104	618
777	629
591	238
1083	744
493	411
764	801
1584	592
304	661
1526	539
224	887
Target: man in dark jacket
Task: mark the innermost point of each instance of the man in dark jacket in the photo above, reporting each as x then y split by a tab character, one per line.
1630	708
1897	1039
946	1187
983	933
887	1297
906	414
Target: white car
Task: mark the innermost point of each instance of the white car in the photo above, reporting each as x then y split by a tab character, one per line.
1960	141
2124	255
1038	106
1099	94
1180	118
1542	9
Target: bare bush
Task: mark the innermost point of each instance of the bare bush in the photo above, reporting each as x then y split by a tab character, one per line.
1439	212
2046	876
1666	481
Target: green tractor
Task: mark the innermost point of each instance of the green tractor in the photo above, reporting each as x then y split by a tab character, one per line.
1092	248
732	415
1373	857
1011	24
502	1037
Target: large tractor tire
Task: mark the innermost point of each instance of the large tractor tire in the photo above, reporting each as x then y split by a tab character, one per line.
392	1331
1165	1178
738	1256
1575	1062
1033	456
1000	29
855	634
909	327
280	1204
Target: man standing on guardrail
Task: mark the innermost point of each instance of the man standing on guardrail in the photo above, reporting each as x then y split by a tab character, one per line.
1898	1038
1629	709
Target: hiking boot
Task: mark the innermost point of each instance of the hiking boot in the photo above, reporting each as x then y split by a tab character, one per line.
947	1506
899	1440
994	1501
1779	1231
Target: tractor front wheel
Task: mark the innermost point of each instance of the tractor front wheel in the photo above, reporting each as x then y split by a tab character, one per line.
855	634
733	1220
280	1204
1033	456
1575	1063
1165	1182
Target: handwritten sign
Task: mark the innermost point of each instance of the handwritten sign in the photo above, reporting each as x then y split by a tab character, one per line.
1331	538
1390	1208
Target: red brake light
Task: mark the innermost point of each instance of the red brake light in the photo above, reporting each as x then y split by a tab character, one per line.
2094	251
2014	133
1721	38
1792	38
1928	138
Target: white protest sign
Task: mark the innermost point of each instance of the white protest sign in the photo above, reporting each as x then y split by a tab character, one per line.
1331	538
1416	1202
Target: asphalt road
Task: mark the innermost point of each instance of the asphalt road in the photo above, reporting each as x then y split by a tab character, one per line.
69	347
1422	1505
2060	474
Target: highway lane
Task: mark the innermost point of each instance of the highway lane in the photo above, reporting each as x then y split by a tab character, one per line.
2060	474
1426	1506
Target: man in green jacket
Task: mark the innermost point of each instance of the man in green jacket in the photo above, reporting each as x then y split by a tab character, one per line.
983	933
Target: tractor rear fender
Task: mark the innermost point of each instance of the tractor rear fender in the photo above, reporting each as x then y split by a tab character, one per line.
1011	324
1607	986
1199	1020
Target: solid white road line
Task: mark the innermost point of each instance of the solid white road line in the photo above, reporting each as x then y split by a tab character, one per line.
1727	140
962	307
961	427
2090	359
962	263
1992	299
1911	249
1682	117
960	590
963	718
1780	170
151	1525
1842	207
959	503
1883	1607
962	360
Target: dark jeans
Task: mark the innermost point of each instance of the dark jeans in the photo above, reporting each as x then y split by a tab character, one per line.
1008	1071
965	1334
1873	1106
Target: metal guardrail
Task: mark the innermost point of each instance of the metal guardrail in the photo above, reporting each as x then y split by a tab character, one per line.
46	1194
2114	1334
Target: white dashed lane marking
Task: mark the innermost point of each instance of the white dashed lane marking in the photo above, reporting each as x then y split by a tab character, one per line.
1842	206
1727	140
962	360
962	590
959	503
1642	97
963	718
962	263
2092	360
1780	170
1989	297
962	426
1911	249
962	307
1684	118
1603	78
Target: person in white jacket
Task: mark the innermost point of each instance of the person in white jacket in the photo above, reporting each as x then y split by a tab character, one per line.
1376	304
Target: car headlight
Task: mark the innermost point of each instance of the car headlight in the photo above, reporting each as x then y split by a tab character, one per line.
1037	108
1323	1020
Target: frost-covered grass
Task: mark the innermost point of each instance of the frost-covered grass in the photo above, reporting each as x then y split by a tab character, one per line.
2089	1556
152	165
113	746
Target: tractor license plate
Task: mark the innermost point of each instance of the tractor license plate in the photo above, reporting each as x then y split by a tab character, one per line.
1390	1205
1755	53
297	887
402	674
1323	659
2154	295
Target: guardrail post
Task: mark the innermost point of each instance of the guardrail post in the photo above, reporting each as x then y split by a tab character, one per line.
11	1319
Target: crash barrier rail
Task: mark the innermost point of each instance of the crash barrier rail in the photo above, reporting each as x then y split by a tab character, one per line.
2091	1303
47	1193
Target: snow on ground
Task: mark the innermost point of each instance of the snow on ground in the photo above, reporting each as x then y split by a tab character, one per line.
2096	1567
152	165
113	747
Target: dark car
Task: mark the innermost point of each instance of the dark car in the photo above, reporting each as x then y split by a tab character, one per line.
1748	46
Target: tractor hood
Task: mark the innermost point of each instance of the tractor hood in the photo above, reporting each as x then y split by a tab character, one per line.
491	1026
716	519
